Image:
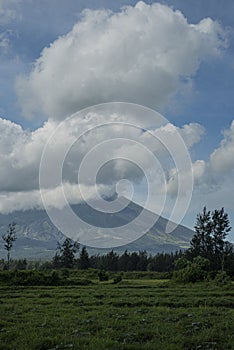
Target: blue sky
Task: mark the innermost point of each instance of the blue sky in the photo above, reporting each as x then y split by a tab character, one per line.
27	27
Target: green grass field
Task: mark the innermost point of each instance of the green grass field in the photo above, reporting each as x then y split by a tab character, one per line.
134	314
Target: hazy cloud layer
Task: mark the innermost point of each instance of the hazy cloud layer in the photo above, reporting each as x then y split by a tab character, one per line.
21	151
23	200
143	54
9	11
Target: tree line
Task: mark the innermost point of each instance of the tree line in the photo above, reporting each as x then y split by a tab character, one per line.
209	251
128	261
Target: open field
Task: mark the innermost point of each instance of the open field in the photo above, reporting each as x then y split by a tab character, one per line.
134	314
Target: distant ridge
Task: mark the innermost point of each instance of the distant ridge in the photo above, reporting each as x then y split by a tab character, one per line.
37	237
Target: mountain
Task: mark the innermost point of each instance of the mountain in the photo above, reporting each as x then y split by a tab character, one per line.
37	237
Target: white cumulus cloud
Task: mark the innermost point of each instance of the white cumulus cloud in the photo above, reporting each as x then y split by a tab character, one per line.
143	54
222	159
216	174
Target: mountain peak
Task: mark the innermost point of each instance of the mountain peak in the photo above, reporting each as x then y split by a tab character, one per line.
37	237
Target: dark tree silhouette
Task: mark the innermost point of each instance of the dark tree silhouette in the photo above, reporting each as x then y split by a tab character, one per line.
84	262
9	238
65	257
112	261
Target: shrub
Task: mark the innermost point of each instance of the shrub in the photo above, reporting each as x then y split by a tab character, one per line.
65	273
222	279
181	263
117	279
193	272
147	275
103	276
83	282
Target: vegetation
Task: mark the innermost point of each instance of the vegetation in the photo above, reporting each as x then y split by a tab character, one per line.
84	261
65	256
9	238
209	240
132	314
182	300
209	253
136	261
194	271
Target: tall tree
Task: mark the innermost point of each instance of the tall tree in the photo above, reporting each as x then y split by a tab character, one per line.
84	262
112	261
66	253
123	261
9	238
143	261
56	261
221	227
209	241
202	243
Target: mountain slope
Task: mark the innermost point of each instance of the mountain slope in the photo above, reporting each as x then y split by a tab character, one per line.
37	237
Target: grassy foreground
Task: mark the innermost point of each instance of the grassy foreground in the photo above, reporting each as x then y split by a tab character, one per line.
134	314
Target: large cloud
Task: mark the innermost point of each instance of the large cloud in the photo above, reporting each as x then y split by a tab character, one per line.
222	159
142	54
21	151
20	154
213	182
23	200
218	171
214	176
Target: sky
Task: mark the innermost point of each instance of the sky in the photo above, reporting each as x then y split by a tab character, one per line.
174	57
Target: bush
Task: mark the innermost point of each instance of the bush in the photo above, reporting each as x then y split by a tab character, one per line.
65	273
147	275
30	278
182	263
103	276
83	282
222	279
21	264
192	272
117	279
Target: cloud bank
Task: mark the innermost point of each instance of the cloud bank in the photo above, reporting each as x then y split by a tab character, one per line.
21	152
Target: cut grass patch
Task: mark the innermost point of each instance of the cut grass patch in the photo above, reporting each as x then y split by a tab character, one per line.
134	314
